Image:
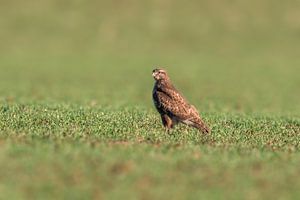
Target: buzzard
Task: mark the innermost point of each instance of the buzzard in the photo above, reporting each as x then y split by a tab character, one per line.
172	106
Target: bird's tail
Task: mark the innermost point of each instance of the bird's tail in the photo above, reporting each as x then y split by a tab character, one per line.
201	126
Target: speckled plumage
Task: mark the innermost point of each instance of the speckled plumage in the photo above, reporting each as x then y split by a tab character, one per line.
172	106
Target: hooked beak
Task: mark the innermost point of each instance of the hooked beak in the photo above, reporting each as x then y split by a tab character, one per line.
155	76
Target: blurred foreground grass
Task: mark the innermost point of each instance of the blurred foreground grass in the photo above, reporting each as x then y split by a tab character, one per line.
73	152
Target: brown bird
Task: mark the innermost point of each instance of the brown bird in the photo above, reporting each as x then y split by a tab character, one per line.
172	106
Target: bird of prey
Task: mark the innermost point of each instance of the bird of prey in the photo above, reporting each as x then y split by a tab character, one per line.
172	106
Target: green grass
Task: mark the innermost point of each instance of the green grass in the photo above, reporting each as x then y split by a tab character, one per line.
70	151
76	116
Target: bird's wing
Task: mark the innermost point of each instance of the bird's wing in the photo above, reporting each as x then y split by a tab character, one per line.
171	101
198	122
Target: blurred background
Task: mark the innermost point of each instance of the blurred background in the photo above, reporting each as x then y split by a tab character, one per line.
224	55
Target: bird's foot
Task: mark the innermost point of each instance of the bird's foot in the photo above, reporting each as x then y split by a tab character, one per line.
167	130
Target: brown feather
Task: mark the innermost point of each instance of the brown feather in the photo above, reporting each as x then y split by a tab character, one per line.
168	101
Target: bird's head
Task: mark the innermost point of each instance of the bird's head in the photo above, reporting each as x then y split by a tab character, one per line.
159	74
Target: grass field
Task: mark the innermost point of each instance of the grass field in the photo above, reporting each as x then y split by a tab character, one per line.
76	114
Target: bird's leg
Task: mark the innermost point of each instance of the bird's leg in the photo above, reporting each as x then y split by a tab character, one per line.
174	122
167	122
